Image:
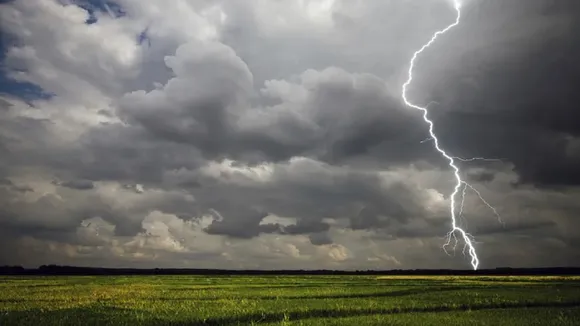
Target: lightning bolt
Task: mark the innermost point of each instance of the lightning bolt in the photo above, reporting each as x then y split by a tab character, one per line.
500	220
471	159
455	228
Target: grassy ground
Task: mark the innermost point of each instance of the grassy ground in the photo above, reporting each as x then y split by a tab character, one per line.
289	300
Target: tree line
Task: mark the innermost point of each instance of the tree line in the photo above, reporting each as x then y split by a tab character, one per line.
76	270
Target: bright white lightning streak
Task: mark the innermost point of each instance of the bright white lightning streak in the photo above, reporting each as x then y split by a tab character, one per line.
477	159
455	228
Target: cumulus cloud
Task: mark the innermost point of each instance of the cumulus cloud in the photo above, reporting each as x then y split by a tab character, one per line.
260	134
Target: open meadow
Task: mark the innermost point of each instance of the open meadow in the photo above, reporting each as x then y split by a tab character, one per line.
289	300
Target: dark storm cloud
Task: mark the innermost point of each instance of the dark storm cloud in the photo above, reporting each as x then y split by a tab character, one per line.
399	207
8	184
57	216
336	116
341	116
5	182
316	108
310	191
307	227
319	239
129	154
196	106
521	228
240	222
345	117
368	218
365	40
317	231
78	184
44	213
4	105
22	188
236	231
481	176
512	93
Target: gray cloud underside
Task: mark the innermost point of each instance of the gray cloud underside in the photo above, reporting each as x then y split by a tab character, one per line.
233	139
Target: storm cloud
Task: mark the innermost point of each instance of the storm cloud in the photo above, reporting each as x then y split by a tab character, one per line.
260	134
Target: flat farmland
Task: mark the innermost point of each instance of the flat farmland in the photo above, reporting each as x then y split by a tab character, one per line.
289	300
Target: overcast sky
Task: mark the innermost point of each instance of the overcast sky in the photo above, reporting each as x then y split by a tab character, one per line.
272	134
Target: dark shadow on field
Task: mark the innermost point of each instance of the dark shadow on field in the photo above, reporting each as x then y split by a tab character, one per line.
89	315
288	286
240	295
399	293
41	287
237	287
24	285
329	313
102	315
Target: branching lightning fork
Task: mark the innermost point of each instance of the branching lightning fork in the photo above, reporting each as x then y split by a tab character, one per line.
456	229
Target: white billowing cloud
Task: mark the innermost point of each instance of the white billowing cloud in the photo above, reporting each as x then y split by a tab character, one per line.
88	66
231	172
163	232
179	21
96	231
120	197
63	55
139	188
286	17
257	134
335	252
274	219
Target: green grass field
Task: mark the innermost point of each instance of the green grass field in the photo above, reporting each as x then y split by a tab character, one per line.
289	300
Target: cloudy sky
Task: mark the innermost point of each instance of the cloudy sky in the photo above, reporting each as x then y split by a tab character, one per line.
271	134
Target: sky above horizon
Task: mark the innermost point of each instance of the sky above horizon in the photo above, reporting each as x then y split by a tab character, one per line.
270	134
